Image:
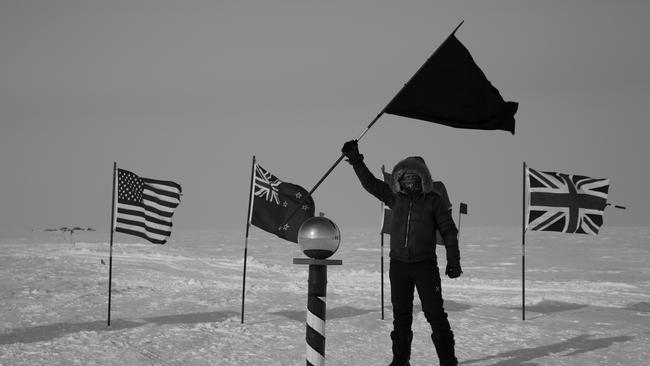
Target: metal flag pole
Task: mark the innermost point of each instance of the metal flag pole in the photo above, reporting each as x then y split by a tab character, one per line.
110	257
616	206
523	248
327	173
248	225
381	235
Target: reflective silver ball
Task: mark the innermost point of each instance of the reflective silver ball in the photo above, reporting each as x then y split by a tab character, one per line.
319	237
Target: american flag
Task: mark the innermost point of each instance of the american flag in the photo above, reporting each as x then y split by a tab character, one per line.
565	202
145	206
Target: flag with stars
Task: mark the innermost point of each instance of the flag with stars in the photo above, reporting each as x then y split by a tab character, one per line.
274	200
145	206
565	203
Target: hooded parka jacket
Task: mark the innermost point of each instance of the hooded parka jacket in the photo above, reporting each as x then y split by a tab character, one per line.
416	216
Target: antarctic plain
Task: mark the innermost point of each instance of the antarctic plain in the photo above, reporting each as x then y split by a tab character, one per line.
587	300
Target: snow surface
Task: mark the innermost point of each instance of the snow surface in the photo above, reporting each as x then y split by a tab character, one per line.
587	300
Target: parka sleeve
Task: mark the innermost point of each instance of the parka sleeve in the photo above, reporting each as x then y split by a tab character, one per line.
446	225
374	186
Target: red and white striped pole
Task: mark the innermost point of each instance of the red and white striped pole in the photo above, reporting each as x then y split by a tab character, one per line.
316	307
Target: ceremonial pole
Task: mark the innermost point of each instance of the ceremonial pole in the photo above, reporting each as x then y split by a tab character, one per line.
319	238
110	257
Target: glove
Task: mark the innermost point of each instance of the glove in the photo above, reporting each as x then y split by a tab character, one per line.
351	151
453	269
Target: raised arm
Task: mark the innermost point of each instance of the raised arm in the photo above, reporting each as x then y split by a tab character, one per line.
370	183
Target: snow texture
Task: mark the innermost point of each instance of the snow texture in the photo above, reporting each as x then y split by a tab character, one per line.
587	300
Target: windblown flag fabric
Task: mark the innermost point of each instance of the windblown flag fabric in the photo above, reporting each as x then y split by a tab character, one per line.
565	202
145	206
274	200
450	89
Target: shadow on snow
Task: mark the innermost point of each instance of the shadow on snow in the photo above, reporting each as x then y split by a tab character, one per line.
51	331
349	311
576	345
334	313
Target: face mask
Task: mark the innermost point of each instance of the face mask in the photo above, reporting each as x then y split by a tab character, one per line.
411	182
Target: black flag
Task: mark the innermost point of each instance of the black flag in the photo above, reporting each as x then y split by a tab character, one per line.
451	89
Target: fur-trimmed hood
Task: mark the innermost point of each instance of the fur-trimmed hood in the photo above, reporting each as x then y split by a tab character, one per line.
416	165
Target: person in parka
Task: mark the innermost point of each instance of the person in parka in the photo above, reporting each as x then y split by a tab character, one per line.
419	207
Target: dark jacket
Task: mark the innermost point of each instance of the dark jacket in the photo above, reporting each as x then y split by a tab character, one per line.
416	217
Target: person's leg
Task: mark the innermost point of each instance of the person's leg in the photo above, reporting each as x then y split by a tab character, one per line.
401	296
427	282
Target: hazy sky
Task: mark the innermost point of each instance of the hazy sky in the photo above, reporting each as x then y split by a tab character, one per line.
191	90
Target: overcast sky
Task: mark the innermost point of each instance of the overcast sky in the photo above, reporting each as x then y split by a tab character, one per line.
191	90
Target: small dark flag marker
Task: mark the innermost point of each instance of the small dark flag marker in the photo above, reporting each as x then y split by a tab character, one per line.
463	208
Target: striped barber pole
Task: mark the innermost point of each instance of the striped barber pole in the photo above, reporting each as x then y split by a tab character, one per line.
316	307
315	330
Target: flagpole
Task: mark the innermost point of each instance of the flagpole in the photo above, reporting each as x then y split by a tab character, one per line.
248	225
381	235
616	206
523	247
327	173
110	257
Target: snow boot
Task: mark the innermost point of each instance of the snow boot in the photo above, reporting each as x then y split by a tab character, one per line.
401	348
445	348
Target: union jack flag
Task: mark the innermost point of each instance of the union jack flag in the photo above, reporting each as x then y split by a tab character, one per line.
266	185
565	203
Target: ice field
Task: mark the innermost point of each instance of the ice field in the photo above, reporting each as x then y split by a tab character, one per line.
587	297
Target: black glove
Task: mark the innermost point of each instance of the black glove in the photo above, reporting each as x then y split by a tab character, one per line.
453	269
351	151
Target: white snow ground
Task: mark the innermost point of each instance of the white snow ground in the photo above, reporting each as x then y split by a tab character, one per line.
588	300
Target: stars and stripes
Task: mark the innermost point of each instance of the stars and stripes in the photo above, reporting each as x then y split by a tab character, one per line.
145	206
565	202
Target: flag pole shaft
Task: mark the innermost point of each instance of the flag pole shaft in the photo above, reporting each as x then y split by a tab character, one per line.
381	235
327	173
523	247
110	257
248	225
616	206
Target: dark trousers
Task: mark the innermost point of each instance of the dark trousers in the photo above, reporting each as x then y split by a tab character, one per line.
425	277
